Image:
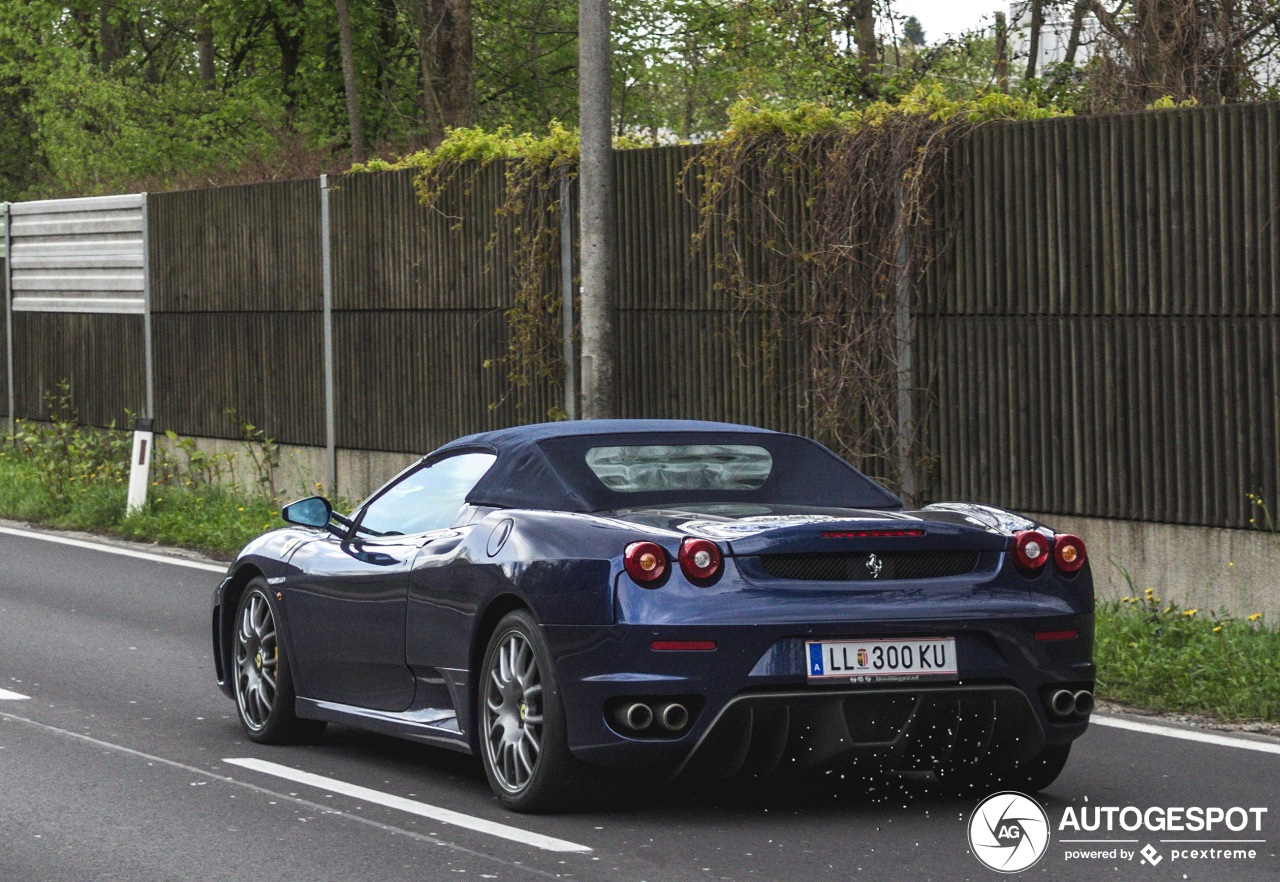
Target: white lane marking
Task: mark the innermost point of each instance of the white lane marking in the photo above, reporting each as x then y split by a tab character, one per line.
112	549
1185	734
422	809
276	794
6	695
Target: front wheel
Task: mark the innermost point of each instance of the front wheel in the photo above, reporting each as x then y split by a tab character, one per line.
263	684
524	746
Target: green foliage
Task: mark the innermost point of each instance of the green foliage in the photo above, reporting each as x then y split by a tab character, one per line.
534	167
76	477
1155	654
66	456
806	209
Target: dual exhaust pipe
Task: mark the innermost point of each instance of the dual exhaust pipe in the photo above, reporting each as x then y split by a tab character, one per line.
1065	703
636	716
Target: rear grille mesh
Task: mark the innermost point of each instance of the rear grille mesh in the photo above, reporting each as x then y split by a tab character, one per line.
862	567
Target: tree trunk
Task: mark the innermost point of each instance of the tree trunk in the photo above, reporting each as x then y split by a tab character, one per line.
864	37
444	65
110	38
204	50
289	41
1033	43
1002	53
1077	27
349	80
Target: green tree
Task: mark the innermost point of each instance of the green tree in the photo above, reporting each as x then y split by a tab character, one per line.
913	31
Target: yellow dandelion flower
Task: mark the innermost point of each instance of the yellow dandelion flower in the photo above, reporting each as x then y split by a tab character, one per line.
1217	628
1190	612
1232	563
1255	617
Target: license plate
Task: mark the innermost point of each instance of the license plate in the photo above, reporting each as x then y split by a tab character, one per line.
882	661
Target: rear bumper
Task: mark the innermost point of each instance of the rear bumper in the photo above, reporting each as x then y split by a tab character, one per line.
752	708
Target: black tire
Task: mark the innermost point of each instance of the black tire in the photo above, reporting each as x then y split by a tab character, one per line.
260	676
520	715
1044	768
984	779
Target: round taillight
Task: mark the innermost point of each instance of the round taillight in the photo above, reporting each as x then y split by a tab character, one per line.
1030	549
1068	553
645	561
699	558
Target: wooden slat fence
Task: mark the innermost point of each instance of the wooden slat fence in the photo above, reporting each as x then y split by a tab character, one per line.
1102	332
1098	333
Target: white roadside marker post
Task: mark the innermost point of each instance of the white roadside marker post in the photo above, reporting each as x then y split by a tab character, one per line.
140	464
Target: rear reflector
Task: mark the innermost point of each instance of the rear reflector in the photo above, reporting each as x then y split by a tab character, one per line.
1031	550
1068	553
646	562
699	559
1057	635
870	534
682	645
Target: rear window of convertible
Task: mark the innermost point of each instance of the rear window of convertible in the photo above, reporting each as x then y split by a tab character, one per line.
657	467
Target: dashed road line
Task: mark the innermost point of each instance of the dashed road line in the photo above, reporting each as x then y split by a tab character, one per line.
275	794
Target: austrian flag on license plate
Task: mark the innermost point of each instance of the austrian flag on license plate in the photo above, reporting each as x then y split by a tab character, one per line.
881	661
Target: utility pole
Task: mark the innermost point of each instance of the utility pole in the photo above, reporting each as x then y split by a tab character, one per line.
597	234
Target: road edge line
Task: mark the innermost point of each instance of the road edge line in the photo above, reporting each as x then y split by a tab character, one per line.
112	549
1185	734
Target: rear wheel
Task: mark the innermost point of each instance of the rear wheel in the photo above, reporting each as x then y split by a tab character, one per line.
263	683
1031	776
1044	768
524	746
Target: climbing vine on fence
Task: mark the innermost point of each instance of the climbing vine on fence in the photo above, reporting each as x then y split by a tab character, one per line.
530	215
815	218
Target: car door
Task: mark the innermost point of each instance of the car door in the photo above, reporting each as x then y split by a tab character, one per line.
347	611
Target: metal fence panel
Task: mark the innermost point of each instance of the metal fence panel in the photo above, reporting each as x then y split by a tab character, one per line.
78	255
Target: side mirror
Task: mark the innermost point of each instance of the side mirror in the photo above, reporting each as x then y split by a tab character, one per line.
314	511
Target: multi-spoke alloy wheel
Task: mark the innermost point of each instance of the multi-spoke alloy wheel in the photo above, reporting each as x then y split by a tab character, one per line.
513	712
257	661
260	671
521	722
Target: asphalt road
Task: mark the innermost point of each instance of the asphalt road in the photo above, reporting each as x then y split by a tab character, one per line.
116	766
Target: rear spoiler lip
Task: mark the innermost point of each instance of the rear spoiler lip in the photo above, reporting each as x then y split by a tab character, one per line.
809	539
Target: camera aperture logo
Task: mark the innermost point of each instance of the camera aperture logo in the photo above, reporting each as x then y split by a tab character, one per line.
1008	832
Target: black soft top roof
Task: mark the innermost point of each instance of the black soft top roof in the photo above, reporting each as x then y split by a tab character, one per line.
543	466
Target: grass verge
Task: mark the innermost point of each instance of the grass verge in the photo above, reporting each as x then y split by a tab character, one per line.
1156	655
211	519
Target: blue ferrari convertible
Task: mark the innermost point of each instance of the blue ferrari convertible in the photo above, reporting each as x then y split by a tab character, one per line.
668	596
